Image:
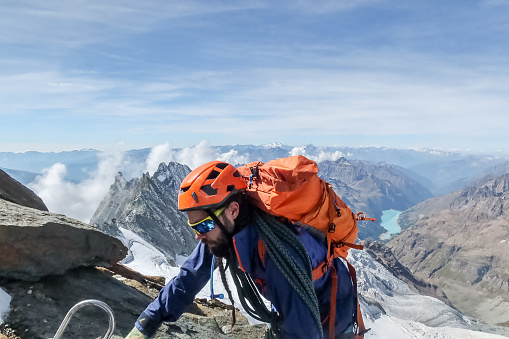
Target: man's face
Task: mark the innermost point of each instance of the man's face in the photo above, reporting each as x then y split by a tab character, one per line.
216	240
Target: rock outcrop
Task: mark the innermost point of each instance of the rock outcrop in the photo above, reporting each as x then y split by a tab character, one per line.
460	242
38	308
37	243
13	191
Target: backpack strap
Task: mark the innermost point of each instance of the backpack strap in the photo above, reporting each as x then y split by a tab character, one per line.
333	295
318	272
361	328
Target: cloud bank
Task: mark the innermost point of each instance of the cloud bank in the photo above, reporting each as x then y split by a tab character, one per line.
80	200
191	156
76	200
319	156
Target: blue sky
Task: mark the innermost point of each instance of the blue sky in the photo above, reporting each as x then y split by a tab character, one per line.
133	74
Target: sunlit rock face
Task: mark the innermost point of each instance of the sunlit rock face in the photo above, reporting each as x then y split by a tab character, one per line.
148	207
461	243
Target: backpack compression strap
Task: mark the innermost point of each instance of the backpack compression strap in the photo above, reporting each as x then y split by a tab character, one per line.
361	329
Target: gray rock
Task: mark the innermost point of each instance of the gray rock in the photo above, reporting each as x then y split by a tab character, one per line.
13	191
37	243
147	206
38	308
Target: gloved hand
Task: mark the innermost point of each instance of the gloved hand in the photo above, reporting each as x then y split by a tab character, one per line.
135	333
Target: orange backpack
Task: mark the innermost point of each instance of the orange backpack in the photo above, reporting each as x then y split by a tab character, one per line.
290	188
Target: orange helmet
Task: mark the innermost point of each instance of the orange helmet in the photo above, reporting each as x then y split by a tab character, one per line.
209	185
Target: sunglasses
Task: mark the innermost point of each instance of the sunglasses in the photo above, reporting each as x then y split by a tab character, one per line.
205	225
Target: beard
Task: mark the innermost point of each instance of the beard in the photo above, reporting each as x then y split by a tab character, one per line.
222	244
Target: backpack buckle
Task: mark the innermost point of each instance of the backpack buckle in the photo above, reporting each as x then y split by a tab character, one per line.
332	228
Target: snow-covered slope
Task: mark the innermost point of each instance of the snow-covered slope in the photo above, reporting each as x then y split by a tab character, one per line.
5	301
393	310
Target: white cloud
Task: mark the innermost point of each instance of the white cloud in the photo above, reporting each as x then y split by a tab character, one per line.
158	154
233	157
76	200
203	153
196	155
318	156
193	157
80	200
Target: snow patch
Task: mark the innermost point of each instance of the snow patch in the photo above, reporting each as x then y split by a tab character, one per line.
5	301
145	258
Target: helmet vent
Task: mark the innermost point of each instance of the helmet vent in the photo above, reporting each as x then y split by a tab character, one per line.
209	189
236	174
230	188
213	174
222	165
195	197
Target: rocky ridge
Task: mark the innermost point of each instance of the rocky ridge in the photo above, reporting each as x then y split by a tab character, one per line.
372	188
148	207
461	243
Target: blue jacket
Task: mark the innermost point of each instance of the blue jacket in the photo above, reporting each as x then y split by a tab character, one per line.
297	317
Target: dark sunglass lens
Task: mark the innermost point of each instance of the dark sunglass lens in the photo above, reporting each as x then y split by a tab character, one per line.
205	226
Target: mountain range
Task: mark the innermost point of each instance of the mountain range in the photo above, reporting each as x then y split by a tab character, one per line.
143	211
460	242
440	171
372	188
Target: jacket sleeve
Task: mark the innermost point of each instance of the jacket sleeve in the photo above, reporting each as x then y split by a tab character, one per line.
178	293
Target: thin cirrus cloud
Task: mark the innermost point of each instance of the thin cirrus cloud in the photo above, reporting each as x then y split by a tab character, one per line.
254	71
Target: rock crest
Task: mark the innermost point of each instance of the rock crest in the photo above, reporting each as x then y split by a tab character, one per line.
13	191
37	243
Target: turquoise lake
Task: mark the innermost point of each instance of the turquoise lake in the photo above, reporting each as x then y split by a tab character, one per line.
390	222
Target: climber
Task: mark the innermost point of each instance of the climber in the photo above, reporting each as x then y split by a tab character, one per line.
229	226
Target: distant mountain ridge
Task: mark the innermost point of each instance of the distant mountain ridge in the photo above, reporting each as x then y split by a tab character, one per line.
440	171
148	207
461	243
372	188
